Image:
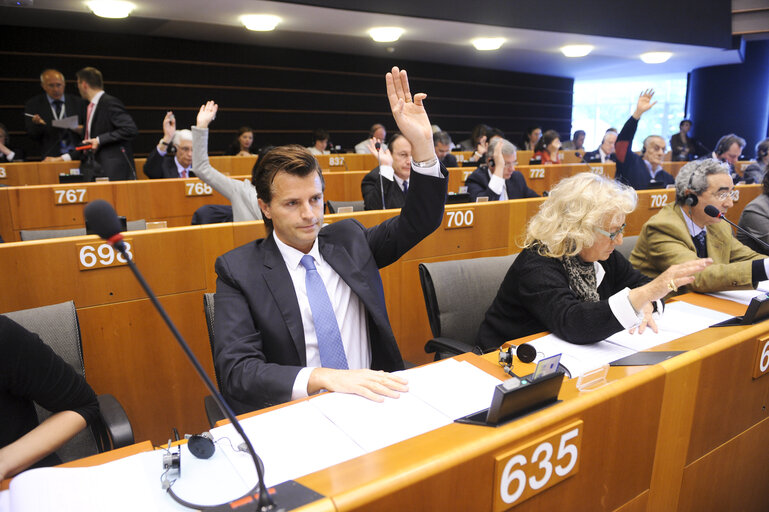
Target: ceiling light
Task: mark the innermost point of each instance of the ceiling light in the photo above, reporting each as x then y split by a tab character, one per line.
576	50
260	22
488	43
111	8
655	57
385	34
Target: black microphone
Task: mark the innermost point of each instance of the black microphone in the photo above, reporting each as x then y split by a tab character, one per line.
128	161
101	216
716	213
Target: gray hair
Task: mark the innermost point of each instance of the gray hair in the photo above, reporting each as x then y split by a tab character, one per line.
442	137
725	142
694	176
762	149
508	148
181	135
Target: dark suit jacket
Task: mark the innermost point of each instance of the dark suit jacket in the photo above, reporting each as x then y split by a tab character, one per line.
47	138
259	347
372	194
449	160
158	166
631	168
595	156
115	129
478	185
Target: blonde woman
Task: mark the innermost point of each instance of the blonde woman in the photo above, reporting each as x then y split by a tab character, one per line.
569	280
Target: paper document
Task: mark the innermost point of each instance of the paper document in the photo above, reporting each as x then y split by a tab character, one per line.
69	123
579	359
743	296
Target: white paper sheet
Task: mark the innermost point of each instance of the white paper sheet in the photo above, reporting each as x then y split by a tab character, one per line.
69	123
454	388
292	441
579	359
743	296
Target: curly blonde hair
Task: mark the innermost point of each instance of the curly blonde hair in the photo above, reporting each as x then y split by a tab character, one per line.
566	221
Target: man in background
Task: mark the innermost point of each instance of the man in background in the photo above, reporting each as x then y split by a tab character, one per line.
378	132
172	157
442	143
499	180
605	152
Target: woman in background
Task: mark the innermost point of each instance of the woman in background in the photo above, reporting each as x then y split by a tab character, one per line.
242	145
547	148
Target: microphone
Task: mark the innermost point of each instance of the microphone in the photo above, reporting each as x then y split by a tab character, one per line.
716	214
102	217
378	146
128	161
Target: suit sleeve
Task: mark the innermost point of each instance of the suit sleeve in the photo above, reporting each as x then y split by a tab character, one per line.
371	191
240	353
477	188
625	139
526	192
153	167
122	124
203	169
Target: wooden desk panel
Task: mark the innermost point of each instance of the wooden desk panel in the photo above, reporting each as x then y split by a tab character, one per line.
34	207
19	174
347	162
343	186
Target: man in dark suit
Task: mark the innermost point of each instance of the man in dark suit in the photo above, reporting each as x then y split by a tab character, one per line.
41	110
395	169
442	141
499	180
172	157
303	310
109	129
605	152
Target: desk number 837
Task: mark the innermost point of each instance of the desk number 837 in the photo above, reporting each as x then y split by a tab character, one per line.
531	469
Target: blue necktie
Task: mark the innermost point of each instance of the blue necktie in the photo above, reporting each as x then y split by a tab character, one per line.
405	187
326	329
700	244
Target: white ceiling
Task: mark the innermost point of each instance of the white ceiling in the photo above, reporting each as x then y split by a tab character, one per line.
332	30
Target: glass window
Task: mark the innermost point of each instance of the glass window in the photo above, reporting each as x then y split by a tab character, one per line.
602	104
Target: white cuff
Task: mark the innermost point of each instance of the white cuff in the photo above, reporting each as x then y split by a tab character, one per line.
10	156
300	383
623	310
496	184
387	172
434	170
66	157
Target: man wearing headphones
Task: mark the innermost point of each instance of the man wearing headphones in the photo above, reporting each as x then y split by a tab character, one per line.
683	231
499	180
728	150
605	152
645	171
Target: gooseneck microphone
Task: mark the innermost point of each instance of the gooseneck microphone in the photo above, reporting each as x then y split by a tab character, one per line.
101	216
716	213
378	146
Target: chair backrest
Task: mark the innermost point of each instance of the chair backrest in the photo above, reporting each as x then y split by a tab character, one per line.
136	225
208	306
458	293
58	327
42	234
628	243
212	214
333	206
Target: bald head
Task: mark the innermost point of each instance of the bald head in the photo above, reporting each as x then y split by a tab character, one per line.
52	82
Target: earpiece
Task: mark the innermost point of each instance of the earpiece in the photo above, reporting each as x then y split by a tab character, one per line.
526	353
691	198
201	445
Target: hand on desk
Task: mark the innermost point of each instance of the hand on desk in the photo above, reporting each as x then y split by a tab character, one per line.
371	384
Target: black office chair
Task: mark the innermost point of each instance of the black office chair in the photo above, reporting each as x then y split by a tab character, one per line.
213	412
58	327
457	294
212	214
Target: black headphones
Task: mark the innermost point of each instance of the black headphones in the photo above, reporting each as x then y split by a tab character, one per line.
526	353
691	199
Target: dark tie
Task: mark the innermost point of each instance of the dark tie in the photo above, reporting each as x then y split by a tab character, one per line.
57	107
405	187
700	244
326	328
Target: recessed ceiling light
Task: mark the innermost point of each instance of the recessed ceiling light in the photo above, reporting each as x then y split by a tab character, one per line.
576	50
111	8
488	43
260	22
655	57
385	34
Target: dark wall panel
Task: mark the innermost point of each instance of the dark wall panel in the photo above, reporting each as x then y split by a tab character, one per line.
283	94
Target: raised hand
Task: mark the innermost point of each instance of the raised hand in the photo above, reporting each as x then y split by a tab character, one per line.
410	115
385	157
207	114
644	103
169	127
499	161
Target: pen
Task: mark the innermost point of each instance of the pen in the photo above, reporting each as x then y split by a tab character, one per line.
28	115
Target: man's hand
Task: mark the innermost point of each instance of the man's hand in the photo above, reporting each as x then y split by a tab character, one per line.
644	103
385	157
93	142
410	115
38	120
169	127
207	114
366	383
499	161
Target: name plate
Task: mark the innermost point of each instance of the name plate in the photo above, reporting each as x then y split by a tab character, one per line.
456	219
197	188
761	365
657	201
596	169
100	255
537	173
465	175
3	174
528	470
70	195
336	161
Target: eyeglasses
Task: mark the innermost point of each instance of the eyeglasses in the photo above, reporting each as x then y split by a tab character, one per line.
733	194
613	235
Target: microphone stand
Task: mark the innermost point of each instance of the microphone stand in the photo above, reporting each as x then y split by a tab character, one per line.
378	147
264	502
744	231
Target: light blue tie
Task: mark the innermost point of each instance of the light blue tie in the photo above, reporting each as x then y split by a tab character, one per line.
326	329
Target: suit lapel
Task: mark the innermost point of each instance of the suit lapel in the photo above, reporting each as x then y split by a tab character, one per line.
282	289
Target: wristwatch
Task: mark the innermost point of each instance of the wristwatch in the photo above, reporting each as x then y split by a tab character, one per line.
426	164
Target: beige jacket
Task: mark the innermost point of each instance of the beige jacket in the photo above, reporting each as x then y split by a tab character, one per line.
665	241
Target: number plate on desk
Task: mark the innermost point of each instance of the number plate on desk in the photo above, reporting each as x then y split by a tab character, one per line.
3	174
336	161
596	169
197	188
460	219
530	469
657	201
761	366
70	196
99	255
536	174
